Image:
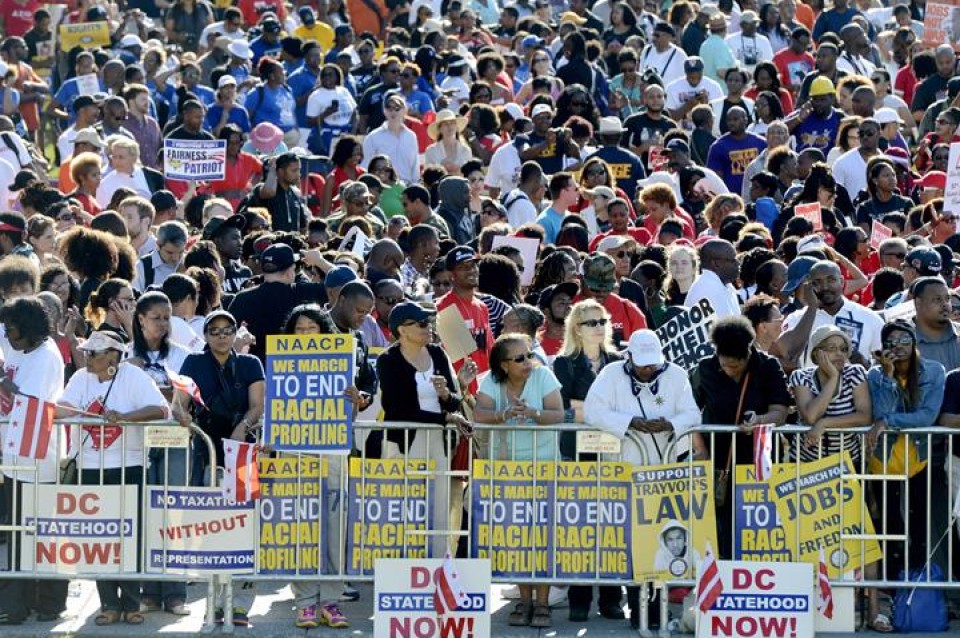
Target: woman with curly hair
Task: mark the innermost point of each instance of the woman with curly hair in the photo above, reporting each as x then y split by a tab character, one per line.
346	158
92	257
558	267
576	100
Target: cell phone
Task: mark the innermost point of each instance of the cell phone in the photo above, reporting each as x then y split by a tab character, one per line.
335	104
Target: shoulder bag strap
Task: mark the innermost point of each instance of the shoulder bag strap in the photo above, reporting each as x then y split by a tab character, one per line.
743	393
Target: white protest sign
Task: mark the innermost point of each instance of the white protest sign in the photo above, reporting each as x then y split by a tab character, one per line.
878	233
812	213
951	194
686	337
80	529
403	599
906	310
194	160
528	249
593	442
762	600
88	84
193	530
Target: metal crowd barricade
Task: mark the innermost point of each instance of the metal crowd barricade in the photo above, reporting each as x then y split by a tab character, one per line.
70	436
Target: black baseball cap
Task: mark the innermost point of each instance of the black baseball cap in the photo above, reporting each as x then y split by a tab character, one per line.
459	255
84	101
569	288
924	260
277	258
23	179
408	311
218	225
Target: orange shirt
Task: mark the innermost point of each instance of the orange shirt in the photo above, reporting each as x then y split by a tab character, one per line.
64	181
805	15
28	111
368	15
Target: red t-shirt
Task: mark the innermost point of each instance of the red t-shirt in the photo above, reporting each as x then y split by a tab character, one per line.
790	65
906	82
550	346
681	216
237	177
18	17
253	9
477	318
786	100
625	317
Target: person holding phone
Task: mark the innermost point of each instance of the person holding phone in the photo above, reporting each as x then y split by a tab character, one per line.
330	111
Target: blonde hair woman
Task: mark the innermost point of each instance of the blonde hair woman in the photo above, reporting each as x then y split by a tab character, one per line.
683	266
718	209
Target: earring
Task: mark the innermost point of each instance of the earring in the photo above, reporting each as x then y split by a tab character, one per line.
112	371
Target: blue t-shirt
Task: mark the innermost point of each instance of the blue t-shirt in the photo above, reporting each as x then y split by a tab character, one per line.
419	103
832	20
818	132
302	82
513	443
729	158
68	92
238	116
261	47
625	166
550	219
265	104
206	94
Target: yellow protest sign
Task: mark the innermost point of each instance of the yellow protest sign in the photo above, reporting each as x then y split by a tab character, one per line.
87	35
674	513
824	505
292	497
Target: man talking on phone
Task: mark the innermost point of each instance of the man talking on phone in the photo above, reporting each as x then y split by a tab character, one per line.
280	194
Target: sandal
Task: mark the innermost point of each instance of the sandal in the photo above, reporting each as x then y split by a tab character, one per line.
881	624
133	618
521	615
107	617
541	616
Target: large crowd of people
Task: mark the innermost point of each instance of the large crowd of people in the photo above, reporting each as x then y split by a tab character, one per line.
783	161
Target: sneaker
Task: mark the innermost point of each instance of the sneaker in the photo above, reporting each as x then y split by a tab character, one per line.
240	618
331	616
177	608
307	618
350	593
558	597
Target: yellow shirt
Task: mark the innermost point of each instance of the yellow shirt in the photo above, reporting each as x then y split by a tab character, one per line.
320	32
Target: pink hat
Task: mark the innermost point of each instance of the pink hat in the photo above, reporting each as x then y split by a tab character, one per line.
265	137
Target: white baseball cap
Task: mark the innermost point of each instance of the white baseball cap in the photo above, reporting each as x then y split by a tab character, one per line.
240	49
886	115
539	109
226	80
645	348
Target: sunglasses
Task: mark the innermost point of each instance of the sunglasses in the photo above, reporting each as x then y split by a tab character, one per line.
423	324
520	358
623	254
389	301
594	323
97	353
222	332
902	341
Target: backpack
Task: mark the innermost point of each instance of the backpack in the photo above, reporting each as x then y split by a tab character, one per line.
148	272
920	610
38	163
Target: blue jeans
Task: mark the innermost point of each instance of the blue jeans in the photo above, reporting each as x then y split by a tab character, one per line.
167	467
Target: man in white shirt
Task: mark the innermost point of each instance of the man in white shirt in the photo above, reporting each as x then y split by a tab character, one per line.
822	291
718	258
395	140
88	114
230	27
748	46
522	203
663	56
850	169
154	268
854	41
692	89
138	213
127	171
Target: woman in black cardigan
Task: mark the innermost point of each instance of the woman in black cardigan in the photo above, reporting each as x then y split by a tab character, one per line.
587	348
417	384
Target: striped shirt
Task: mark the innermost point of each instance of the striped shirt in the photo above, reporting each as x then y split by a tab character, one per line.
853	375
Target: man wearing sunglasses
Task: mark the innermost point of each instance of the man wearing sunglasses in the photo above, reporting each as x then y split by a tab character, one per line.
850	169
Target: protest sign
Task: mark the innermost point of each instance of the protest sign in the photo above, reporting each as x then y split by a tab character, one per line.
88	84
194	530
905	310
824	505
454	333
79	529
674	513
760	535
762	601
403	595
812	213
657	159
878	233
941	23
292	515
686	337
951	194
307	410
87	35
528	248
530	519
386	501
194	160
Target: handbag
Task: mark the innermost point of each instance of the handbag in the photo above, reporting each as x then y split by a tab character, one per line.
721	478
920	610
460	462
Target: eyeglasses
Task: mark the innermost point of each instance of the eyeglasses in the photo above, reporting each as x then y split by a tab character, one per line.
423	324
389	301
623	254
222	332
520	358
594	323
902	341
96	353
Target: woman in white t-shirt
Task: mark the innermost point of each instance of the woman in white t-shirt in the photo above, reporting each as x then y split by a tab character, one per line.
112	454
33	368
330	110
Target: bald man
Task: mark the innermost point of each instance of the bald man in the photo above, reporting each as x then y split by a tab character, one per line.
718	258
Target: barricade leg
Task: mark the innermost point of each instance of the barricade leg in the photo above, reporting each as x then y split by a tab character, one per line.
167	467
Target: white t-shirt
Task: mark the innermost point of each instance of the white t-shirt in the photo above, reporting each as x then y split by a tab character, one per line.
7	174
862	324
18	156
679	91
321	99
850	171
504	169
156	366
121	446
855	65
426	392
400	147
520	210
44	381
669	64
722	297
749	50
460	92
182	333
